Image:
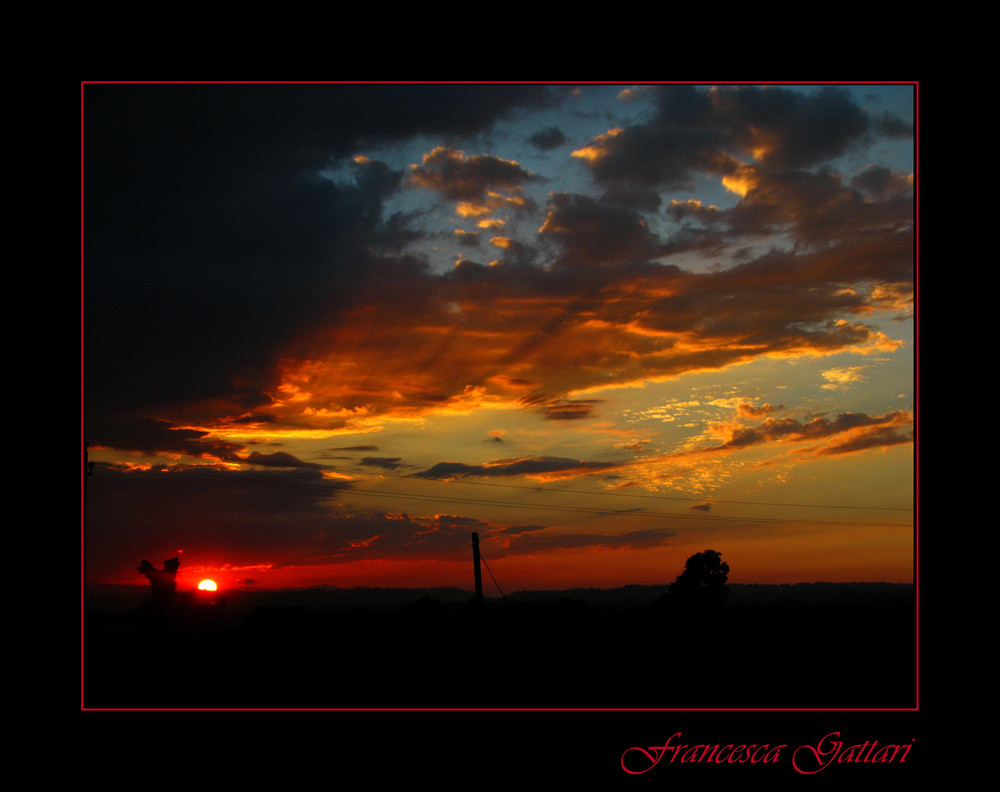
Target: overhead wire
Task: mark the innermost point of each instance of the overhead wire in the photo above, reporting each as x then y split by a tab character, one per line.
348	489
648	496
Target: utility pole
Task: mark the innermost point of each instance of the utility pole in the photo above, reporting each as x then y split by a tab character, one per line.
475	567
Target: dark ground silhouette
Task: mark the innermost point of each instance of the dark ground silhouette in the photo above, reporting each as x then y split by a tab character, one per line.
807	646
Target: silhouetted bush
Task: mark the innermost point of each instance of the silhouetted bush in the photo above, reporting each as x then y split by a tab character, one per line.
703	583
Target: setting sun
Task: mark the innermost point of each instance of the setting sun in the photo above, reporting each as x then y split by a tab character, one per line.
207	585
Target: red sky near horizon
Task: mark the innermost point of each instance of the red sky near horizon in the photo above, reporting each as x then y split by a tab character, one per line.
332	330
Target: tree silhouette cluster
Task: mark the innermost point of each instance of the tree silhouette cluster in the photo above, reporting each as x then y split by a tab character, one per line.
703	583
163	581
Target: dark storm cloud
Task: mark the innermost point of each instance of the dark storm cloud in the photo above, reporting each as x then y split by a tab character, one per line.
633	197
540	467
569	409
209	237
820	208
694	130
467	238
678	141
387	463
894	127
467	178
682	210
793	130
244	517
854	431
547	138
253	400
877	437
279	459
255	418
147	436
592	232
879	182
751	411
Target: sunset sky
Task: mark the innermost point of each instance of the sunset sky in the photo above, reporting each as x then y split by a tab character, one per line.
330	330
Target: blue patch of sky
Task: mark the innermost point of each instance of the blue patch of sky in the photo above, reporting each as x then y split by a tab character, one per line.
581	116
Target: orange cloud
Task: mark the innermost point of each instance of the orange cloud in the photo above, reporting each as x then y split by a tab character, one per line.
847	432
492	336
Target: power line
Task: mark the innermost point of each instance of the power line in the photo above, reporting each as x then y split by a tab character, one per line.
599	511
352	490
655	497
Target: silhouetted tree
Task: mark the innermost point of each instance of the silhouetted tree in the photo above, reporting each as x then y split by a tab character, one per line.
163	581
703	583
